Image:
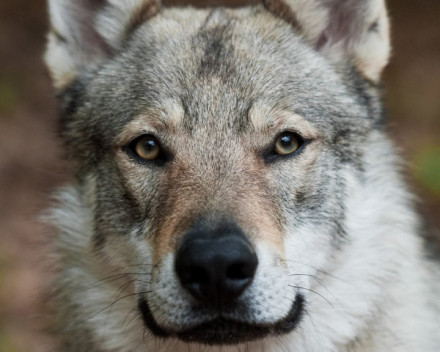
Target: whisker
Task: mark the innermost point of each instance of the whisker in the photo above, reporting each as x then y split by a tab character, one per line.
319	281
113	303
116	295
126	323
313	291
101	282
326	273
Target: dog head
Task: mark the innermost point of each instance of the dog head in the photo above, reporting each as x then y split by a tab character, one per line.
216	149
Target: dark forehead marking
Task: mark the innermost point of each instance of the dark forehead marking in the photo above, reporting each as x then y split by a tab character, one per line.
214	36
214	73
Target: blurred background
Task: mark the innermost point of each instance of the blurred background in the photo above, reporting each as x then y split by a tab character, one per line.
31	165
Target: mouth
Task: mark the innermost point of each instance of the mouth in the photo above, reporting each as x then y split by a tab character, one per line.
222	331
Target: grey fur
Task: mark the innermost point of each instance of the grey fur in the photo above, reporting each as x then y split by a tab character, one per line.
221	85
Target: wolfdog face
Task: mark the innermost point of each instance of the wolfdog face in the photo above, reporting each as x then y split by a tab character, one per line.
221	155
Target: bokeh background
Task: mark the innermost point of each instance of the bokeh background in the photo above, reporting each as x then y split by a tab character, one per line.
31	164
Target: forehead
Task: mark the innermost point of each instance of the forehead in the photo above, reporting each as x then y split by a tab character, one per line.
216	65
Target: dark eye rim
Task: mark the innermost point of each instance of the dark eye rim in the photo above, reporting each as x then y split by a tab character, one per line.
163	157
270	155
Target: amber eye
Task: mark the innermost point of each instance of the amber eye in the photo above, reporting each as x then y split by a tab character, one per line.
146	147
287	143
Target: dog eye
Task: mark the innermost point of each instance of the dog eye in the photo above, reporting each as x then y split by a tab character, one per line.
287	143
146	147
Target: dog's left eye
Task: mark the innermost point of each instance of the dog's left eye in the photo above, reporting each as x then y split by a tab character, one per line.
287	143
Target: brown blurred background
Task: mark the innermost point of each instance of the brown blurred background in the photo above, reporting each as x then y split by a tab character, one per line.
30	156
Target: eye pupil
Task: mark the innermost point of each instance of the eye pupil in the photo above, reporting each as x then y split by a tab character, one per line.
149	145
286	140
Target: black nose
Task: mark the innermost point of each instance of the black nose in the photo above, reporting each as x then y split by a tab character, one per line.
216	265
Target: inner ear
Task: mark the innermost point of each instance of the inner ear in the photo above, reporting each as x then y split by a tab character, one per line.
120	18
341	22
84	32
355	31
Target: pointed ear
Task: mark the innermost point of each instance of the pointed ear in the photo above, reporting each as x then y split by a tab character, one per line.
355	30
84	32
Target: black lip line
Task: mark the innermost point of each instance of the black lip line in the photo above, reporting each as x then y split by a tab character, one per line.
283	326
287	324
149	319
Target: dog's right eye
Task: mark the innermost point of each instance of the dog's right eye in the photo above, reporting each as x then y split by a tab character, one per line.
146	147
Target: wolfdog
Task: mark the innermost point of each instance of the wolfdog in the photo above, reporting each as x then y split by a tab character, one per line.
234	188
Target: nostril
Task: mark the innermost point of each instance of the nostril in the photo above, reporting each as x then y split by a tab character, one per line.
197	275
195	278
240	271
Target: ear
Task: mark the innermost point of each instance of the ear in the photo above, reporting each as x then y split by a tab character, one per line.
84	32
357	30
